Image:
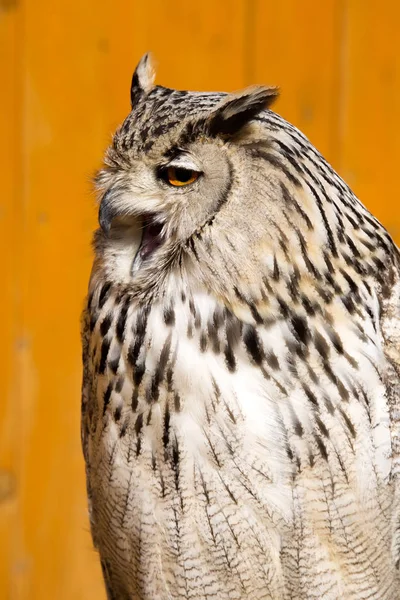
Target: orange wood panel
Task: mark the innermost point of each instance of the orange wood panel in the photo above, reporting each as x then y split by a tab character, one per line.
370	106
197	45
296	47
9	298
63	135
193	47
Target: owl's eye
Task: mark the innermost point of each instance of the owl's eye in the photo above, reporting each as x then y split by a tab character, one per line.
179	176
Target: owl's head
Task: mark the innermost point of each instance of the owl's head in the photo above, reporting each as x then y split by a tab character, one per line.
216	188
178	161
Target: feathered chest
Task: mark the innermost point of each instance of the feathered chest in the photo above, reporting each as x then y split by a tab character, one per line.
186	374
228	445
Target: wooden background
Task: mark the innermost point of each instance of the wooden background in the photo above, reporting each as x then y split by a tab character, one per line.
65	69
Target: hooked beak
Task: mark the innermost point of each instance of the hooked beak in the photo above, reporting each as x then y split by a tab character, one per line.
107	211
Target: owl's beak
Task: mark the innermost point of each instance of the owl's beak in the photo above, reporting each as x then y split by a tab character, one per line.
107	212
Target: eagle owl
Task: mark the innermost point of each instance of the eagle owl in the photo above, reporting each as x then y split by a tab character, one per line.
241	397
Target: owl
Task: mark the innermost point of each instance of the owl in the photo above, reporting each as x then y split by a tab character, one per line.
241	356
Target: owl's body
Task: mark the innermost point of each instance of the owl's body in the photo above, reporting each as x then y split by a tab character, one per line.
241	363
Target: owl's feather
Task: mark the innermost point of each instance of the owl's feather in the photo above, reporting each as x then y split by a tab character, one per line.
240	416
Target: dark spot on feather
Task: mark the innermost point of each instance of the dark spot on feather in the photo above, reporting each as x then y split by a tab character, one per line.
329	406
141	321
159	374
328	370
177	402
275	273
336	341
344	393
105	324
293	288
349	304
118	413
321	426
134	350
254	313
124	428
368	287
203	342
139	424
352	361
119	384
233	330
284	308
326	295
105	347
107	397
93	321
192	307
308	306
230	359
170	374
175	461
212	332
121	323
352	284
321	447
138	373
349	424
167	419
328	263
135	399
272	360
310	395
169	316
301	329
104	293
253	344
218	318
89	301
321	346
298	428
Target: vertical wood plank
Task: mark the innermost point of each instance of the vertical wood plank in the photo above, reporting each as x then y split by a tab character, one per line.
370	107
296	47
9	299
63	138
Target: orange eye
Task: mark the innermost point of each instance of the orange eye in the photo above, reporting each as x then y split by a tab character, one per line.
178	176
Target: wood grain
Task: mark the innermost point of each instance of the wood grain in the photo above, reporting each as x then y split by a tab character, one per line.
369	132
10	249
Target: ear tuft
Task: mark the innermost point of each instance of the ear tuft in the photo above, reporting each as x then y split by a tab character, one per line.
237	110
143	78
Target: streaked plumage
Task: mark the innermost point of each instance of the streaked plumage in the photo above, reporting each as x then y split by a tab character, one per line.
240	413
